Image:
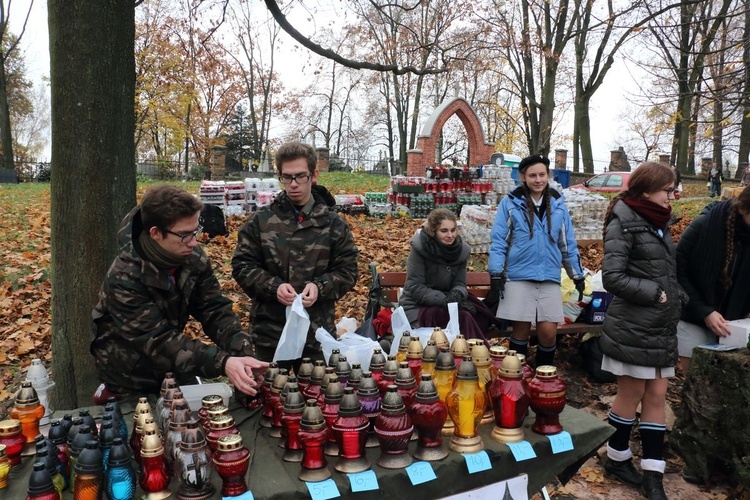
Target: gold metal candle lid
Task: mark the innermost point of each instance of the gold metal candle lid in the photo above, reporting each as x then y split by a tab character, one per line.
415	349
149	425
141	407
10	427
151	444
498	351
521	358
229	442
439	337
216	411
512	367
480	355
211	400
546	371
2	451
141	419
222	422
460	347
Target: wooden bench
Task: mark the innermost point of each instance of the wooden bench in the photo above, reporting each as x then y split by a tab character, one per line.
476	283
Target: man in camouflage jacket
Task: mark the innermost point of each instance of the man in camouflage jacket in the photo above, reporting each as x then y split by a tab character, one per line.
297	245
160	278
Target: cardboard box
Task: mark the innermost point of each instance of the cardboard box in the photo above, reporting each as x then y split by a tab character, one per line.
596	310
740	332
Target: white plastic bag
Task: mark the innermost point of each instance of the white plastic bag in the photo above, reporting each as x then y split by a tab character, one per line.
399	325
453	326
346	325
356	348
293	337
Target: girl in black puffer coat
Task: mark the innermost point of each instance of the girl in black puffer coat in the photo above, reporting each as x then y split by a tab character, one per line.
639	338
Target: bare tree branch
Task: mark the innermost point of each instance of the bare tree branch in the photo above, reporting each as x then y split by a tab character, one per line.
280	18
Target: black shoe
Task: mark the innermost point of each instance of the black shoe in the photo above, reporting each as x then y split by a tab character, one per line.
652	487
624	471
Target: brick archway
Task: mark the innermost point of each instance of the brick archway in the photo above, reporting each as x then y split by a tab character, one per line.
417	160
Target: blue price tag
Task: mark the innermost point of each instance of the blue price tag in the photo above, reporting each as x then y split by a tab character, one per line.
323	490
248	495
420	472
522	450
477	462
561	442
363	481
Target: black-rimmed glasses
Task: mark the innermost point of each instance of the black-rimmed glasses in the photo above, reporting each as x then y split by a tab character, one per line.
187	237
300	178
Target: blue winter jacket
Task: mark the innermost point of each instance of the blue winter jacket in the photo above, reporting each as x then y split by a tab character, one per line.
536	258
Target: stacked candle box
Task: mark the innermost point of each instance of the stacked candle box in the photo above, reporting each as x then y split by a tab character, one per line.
260	192
418	196
586	212
476	223
213	193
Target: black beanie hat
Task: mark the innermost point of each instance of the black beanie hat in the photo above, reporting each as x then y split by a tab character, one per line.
532	160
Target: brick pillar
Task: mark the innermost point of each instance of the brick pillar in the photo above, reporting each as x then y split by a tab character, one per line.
218	162
322	159
561	159
615	160
706	164
414	166
664	159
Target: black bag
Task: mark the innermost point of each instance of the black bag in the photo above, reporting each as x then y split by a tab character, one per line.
212	220
592	355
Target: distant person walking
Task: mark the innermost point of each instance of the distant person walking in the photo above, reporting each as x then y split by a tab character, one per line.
677	182
746	177
714	179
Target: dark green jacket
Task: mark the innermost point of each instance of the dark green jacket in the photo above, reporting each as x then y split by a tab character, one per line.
137	324
274	248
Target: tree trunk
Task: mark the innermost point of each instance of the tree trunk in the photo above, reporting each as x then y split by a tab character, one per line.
583	121
6	134
711	426
93	172
745	102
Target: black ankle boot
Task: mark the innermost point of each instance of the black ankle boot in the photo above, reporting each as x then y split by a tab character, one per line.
652	487
624	471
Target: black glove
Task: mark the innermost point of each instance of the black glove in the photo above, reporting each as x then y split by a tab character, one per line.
453	296
497	289
467	306
580	286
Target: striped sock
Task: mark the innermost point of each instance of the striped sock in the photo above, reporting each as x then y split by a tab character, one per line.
652	438
520	346
620	440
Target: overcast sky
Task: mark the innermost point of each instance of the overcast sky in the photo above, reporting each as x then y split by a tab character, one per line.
606	105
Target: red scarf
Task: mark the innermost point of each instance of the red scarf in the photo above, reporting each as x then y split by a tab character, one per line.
656	215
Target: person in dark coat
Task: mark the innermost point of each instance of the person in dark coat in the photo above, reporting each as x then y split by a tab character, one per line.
715	179
639	338
160	279
713	266
436	276
297	245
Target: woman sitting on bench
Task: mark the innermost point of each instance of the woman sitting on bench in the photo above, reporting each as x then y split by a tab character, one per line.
436	276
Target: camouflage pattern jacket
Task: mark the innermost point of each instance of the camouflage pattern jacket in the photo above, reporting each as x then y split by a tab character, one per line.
137	324
274	248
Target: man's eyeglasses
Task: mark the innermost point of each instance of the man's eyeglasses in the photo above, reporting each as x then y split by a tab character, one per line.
300	178
187	237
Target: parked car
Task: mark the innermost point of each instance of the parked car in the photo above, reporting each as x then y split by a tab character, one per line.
608	182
